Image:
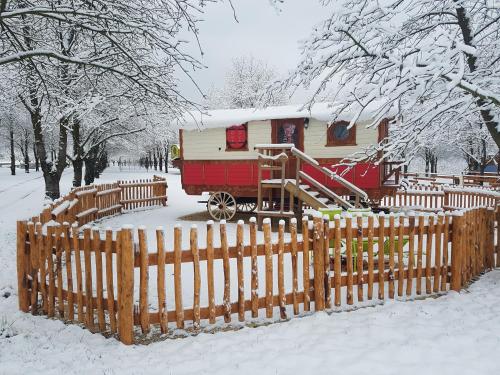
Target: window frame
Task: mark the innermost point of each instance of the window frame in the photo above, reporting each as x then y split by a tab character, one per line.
332	141
244	148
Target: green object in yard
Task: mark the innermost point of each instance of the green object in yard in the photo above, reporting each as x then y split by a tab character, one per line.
375	241
331	211
396	244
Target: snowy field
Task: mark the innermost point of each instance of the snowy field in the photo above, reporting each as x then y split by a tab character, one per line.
456	333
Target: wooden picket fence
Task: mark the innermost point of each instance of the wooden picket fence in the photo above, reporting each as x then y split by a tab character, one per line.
438	198
386	256
88	203
492	180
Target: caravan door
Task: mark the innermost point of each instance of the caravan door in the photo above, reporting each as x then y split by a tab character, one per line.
289	131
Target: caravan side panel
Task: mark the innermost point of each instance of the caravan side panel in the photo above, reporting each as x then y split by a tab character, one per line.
315	137
210	144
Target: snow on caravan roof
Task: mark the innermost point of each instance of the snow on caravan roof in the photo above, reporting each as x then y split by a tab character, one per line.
227	117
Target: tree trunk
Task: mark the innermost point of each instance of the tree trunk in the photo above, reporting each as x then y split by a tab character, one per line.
77	171
166	158
77	153
467	34
160	160
35	156
427	163
434	164
51	173
52	185
26	154
12	153
89	171
26	163
483	156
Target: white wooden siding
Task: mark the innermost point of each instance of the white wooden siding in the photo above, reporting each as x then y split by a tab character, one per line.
315	141
210	144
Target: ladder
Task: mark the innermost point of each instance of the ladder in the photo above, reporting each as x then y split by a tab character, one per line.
304	188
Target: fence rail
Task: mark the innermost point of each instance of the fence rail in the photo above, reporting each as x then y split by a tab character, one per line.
437	198
88	203
382	256
102	279
491	180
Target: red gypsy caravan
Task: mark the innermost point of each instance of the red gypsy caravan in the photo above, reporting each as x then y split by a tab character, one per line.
280	160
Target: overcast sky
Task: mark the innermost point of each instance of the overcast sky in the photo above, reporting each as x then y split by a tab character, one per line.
261	32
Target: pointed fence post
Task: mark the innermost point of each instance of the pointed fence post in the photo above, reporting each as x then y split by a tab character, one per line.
490	233
126	291
319	269
22	266
456	251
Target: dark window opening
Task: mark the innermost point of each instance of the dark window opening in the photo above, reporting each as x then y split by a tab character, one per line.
339	134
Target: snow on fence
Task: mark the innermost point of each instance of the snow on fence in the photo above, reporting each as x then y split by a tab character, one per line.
438	198
90	278
491	180
88	203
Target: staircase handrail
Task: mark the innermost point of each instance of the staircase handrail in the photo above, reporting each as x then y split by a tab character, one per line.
334	176
325	190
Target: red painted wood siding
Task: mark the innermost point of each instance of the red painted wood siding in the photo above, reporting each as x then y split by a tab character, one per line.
192	174
240	174
364	175
213	174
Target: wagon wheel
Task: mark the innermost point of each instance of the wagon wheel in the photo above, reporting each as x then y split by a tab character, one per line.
221	206
246	207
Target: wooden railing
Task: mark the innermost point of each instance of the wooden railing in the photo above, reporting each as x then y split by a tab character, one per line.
390	169
436	198
88	203
274	158
435	179
390	255
143	193
358	193
267	161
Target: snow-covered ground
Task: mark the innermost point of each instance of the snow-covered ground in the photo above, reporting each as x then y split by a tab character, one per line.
456	333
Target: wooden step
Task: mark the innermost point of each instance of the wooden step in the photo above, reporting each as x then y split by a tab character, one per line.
306	197
323	200
275	182
275	213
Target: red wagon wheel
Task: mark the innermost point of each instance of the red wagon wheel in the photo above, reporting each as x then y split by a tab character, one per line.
221	206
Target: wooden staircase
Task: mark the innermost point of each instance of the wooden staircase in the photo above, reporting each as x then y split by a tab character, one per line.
304	189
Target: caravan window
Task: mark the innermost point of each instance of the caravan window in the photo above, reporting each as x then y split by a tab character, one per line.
339	134
237	138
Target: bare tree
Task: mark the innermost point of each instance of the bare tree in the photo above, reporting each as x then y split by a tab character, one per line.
60	51
475	144
419	62
24	141
245	85
13	129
